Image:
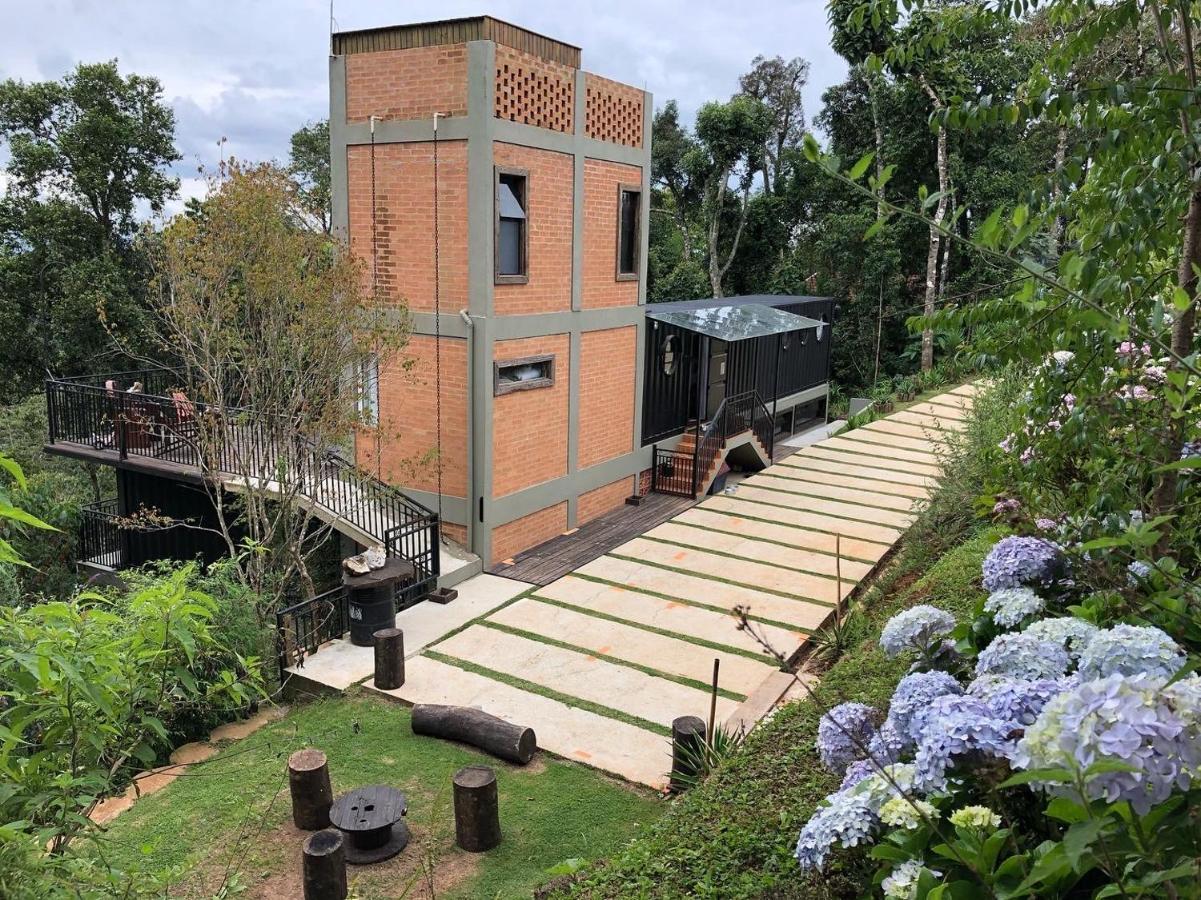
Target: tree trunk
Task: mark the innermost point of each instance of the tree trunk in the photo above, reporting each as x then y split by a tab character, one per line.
312	795
687	742
935	235
477	809
717	269
1061	222
389	659
325	866
514	743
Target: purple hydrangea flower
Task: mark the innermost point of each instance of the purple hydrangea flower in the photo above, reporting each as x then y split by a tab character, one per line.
918	628
1138	572
1017	701
888	744
913	694
857	771
1022	655
1018	561
1009	606
844	734
1131	719
849	817
1066	631
953	726
1130	650
1044	524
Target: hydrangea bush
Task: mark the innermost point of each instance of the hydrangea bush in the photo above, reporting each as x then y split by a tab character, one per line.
1060	711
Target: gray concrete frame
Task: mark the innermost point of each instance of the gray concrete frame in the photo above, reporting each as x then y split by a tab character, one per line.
480	512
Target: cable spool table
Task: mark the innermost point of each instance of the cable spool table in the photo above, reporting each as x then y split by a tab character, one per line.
370	817
370	598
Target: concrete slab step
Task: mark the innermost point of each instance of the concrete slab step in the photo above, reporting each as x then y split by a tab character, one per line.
811	474
582	676
883	466
668	615
893	425
706	591
619	748
815	459
745	505
852	444
850	511
852	549
893	441
747	547
815	486
933	423
761	702
612	640
739	571
942	411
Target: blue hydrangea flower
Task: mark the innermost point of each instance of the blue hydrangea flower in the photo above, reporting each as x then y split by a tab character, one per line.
901	882
849	817
1138	572
1130	650
953	726
888	743
844	733
1018	561
913	694
919	628
1020	655
1130	719
1067	631
1017	701
1009	606
856	772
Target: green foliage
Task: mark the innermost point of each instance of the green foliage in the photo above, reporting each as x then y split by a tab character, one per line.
93	690
83	154
308	164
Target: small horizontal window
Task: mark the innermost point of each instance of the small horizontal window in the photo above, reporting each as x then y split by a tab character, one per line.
523	374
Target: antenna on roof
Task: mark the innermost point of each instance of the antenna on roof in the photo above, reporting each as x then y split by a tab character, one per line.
331	27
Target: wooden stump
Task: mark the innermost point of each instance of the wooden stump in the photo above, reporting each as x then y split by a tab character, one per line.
477	809
687	742
514	743
389	658
308	779
324	866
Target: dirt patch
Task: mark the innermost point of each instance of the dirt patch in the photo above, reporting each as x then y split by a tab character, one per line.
234	731
272	868
190	754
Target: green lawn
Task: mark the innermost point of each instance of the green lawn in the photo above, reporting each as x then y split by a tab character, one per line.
232	813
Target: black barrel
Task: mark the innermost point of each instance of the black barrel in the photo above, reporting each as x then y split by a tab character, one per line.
371	600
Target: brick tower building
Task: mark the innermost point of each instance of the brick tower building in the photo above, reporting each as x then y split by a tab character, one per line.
535	260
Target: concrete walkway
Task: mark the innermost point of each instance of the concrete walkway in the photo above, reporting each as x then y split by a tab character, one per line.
600	661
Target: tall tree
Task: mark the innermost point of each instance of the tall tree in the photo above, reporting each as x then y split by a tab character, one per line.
732	136
777	84
308	165
86	156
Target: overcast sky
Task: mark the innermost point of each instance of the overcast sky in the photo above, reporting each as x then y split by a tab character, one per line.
254	71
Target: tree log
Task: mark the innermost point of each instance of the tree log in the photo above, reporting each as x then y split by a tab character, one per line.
477	809
687	742
308	779
389	658
514	743
325	866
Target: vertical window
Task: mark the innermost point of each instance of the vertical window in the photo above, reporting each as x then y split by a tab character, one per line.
512	203
368	384
629	208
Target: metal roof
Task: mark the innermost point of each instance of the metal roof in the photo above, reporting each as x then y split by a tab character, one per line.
761	299
732	323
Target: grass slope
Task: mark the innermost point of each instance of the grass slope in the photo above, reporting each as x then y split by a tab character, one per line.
233	813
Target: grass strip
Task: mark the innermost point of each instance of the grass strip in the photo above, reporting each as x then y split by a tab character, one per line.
753	587
819	512
446	637
549	693
663	632
650	592
810	496
741	515
616	660
851	458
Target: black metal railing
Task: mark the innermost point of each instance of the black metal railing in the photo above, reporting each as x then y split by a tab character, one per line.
303	627
100	535
686	473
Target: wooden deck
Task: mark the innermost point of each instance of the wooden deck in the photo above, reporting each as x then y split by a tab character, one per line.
553	559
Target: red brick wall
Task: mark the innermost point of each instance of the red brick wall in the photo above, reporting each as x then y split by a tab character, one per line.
534	91
549	221
613	111
529	428
601	500
456	533
511	538
408	421
607	371
407	84
600	284
404	220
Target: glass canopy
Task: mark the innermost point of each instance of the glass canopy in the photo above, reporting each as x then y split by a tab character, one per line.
735	323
